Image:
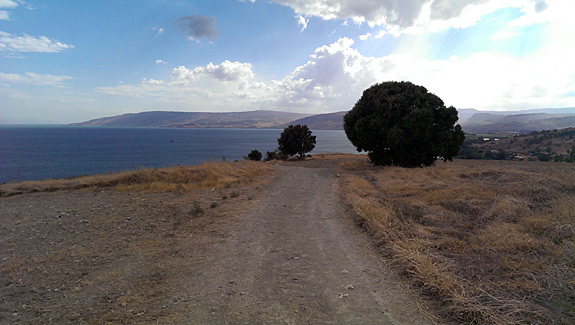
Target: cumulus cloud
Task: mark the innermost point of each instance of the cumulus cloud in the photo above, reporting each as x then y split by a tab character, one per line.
197	26
35	79
225	71
160	62
336	74
332	79
27	43
152	81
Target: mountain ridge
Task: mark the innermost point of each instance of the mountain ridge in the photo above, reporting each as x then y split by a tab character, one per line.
472	120
249	119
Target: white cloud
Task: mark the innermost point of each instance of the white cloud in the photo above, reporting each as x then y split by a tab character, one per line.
365	37
413	16
159	31
6	4
228	86
335	76
152	81
160	62
35	79
302	21
27	43
225	71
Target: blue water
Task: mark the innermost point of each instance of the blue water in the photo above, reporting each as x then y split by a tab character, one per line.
35	153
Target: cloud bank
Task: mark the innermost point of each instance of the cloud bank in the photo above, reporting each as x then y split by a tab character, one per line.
413	16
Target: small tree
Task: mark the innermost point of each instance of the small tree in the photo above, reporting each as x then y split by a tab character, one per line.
255	155
399	123
296	140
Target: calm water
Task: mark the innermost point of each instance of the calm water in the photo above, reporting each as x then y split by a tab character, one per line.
34	153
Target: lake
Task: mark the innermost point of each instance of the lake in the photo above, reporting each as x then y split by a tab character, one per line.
40	152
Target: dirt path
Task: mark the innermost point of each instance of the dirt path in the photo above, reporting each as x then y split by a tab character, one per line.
297	259
284	253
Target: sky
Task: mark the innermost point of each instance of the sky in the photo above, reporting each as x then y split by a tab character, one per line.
71	61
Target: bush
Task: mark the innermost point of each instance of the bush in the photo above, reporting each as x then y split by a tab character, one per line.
255	155
399	123
271	155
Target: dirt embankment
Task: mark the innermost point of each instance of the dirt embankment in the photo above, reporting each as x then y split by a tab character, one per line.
283	253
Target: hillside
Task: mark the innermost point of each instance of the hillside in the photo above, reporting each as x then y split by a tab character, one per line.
252	119
331	121
558	145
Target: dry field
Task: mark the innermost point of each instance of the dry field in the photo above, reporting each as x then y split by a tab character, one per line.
483	241
175	179
116	248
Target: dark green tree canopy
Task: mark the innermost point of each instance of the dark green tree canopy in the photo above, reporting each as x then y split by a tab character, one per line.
399	123
296	140
255	155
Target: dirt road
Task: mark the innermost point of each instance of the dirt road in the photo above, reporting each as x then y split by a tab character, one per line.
297	259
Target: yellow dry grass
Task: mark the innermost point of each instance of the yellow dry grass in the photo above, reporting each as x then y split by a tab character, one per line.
175	179
492	242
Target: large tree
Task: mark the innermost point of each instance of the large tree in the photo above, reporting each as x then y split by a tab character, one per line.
296	140
399	123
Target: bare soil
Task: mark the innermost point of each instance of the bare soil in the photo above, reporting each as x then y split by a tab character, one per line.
286	253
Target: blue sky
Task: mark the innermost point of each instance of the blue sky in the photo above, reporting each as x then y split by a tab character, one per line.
70	61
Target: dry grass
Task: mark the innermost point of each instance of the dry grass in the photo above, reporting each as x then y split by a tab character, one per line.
493	242
175	179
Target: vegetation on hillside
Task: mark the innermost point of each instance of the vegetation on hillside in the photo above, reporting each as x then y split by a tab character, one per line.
399	123
490	242
556	145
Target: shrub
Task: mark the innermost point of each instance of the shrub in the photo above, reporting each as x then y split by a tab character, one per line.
255	155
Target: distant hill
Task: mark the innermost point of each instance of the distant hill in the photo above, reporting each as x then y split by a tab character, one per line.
521	123
465	113
252	119
330	121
